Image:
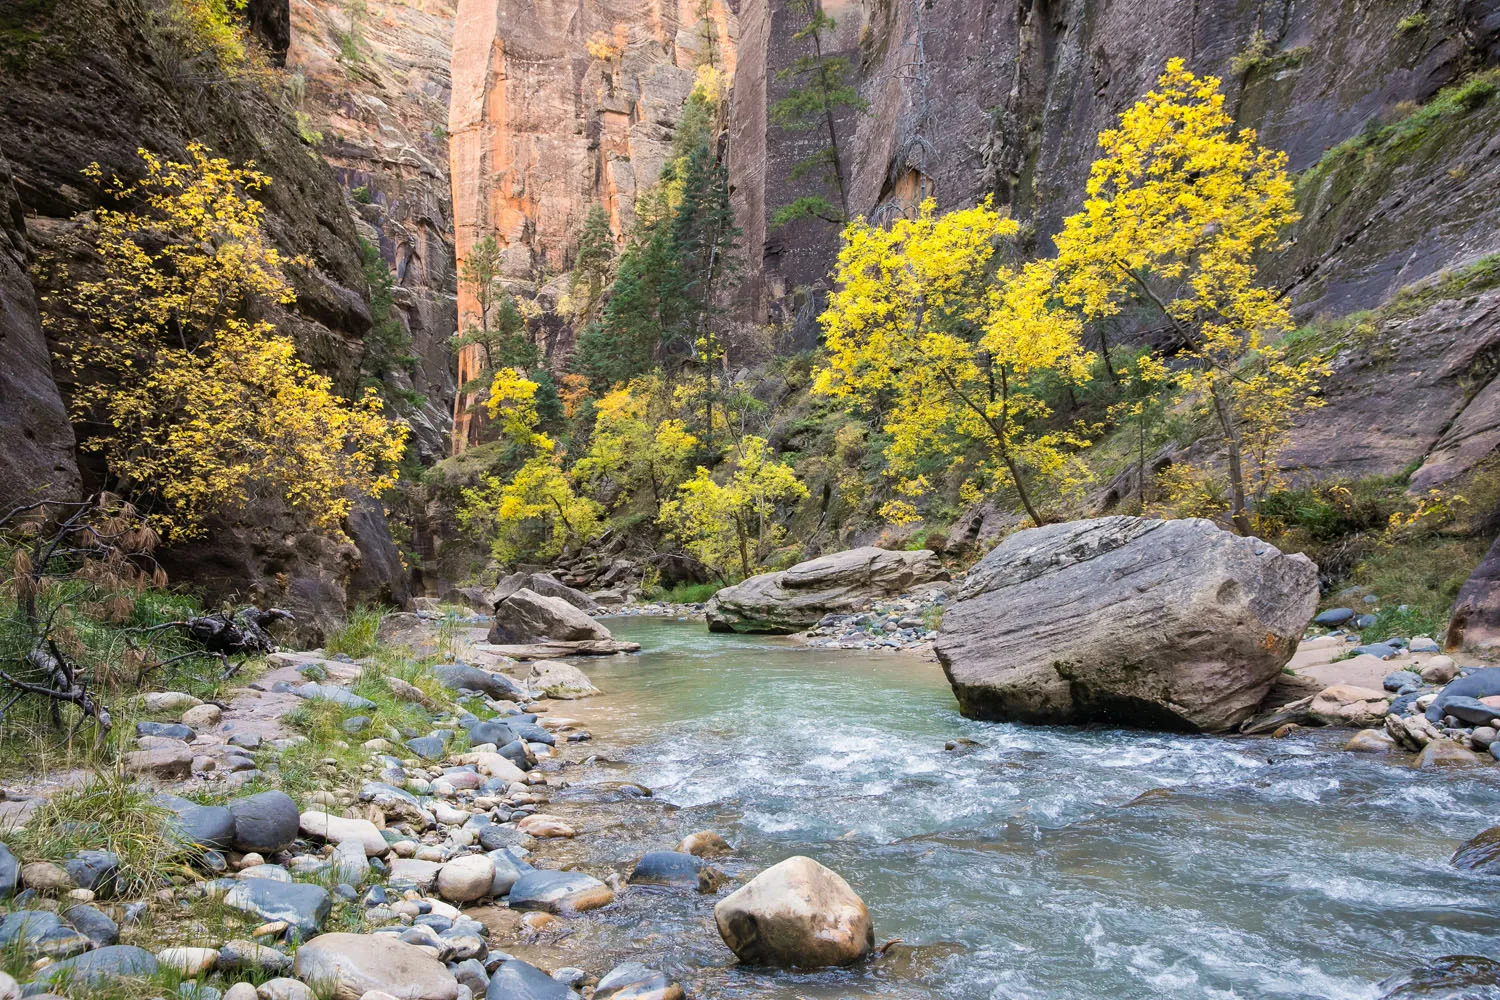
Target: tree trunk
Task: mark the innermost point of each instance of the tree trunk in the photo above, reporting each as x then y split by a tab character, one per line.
1237	512
739	530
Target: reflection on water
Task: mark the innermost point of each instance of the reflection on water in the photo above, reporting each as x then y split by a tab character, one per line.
1046	863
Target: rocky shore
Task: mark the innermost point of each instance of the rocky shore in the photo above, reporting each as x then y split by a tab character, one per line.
383	873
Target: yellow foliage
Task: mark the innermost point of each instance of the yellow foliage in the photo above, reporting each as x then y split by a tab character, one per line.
633	449
534	515
191	404
922	326
718	523
215	24
1177	207
513	402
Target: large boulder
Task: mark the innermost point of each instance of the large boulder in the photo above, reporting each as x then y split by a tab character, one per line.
1127	621
544	584
1475	620
1480	853
793	600
797	914
462	677
526	616
351	965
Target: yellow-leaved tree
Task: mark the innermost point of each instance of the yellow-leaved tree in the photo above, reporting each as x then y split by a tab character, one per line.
636	450
737	519
194	406
924	328
536	513
1177	208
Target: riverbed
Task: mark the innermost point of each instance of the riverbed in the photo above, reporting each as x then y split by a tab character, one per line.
1042	863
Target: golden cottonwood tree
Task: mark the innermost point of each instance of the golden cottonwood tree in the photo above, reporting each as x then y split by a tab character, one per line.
924	328
1177	207
636	451
719	522
535	513
195	407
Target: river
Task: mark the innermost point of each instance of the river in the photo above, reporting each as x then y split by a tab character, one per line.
1051	863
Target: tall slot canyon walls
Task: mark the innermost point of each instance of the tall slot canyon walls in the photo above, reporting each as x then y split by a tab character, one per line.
557	107
374	85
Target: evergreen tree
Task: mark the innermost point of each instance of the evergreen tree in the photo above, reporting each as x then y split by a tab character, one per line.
596	252
821	93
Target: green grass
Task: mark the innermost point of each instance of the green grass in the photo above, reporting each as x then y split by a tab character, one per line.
357	636
109	812
688	593
1391	622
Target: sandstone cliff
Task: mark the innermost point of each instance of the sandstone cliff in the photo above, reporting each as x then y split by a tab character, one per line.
374	82
555	108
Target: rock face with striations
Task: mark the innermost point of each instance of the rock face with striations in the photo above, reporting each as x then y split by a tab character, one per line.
557	108
1128	621
794	599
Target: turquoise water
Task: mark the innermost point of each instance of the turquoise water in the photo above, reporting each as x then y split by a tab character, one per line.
1046	863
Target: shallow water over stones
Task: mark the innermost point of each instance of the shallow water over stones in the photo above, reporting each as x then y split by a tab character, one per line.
1043	863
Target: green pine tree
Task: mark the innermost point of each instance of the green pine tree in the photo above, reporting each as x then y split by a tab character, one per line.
821	92
591	264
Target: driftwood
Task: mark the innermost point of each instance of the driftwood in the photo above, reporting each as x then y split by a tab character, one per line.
244	634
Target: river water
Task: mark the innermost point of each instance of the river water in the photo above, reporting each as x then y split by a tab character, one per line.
1046	863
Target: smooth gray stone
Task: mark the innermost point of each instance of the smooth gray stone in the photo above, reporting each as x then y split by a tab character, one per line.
266	822
518	980
99	968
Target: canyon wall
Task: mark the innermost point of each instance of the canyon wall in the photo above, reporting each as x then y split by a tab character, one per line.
975	98
557	107
374	86
89	81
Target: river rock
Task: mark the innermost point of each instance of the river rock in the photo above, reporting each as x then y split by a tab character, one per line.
194	825
495	765
354	964
94	925
190	963
1333	617
1478	684
1480	853
44	876
526	616
561	680
284	988
542	826
794	599
1349	705
677	869
462	677
351	865
1470	710
1370	741
1452	977
202	716
9	988
104	966
491	731
1439	670
420	875
518	980
795	914
10	873
539	583
266	822
1126	620
705	844
302	906
165	730
163	763
558	892
325	826
1444	753
508	869
634	981
247	956
169	701
466	879
93	870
